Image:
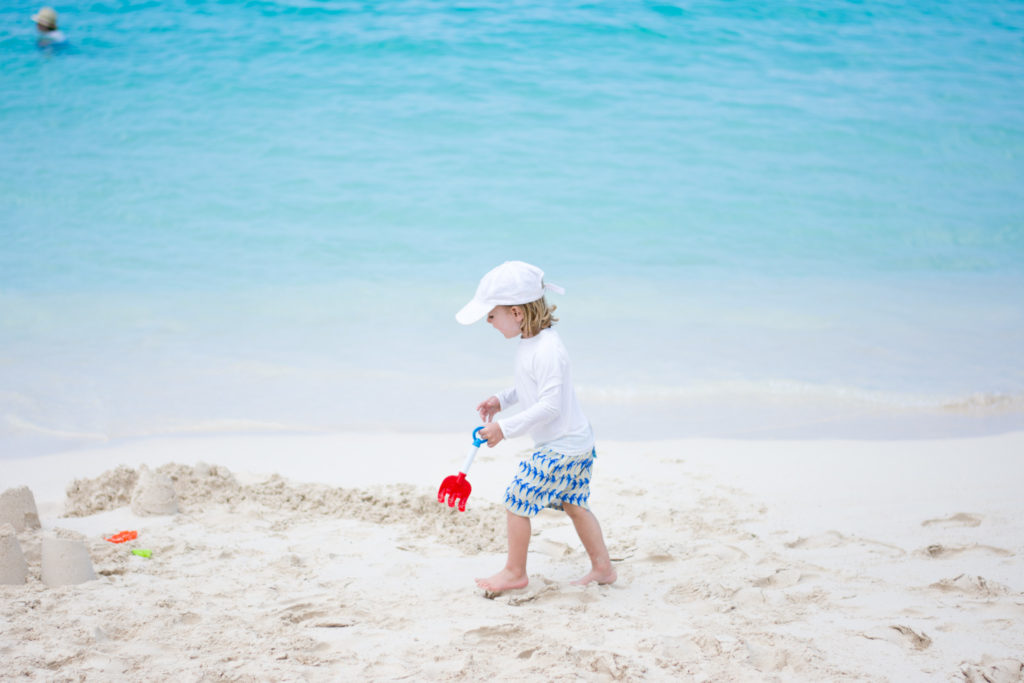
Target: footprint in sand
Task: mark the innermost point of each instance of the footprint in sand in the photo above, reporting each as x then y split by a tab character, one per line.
313	614
675	649
834	539
976	586
901	635
829	539
766	656
302	612
782	578
499	632
658	517
959	519
542	590
699	596
937	550
749	597
726	553
918	641
991	670
575	595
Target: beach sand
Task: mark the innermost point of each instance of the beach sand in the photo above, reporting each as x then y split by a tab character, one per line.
327	557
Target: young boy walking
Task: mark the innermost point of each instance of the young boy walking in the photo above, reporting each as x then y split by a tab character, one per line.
557	472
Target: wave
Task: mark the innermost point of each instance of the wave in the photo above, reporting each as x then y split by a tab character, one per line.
16	426
788	391
999	404
227	426
20	426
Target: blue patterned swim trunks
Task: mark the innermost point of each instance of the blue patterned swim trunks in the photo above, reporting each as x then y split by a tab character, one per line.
547	479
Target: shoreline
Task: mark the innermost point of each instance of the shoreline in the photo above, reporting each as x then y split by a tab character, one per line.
266	442
800	415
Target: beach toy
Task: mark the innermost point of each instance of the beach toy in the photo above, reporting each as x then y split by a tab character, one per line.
142	552
455	488
123	536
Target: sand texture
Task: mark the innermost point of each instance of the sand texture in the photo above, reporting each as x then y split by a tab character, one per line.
737	561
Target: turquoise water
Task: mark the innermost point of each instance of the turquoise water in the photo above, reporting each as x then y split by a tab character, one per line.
797	219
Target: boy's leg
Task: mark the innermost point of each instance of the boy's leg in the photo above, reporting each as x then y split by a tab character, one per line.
514	573
589	531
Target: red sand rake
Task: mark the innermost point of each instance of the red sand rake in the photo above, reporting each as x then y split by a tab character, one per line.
456	488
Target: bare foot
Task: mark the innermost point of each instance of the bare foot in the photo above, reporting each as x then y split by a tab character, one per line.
503	581
601	576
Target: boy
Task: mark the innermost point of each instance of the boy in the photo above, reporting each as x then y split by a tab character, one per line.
557	473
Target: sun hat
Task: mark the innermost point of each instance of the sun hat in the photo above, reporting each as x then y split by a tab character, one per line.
46	17
510	284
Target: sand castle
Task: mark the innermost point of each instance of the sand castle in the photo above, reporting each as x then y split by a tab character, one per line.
13	569
17	513
65	558
66	561
154	494
18	508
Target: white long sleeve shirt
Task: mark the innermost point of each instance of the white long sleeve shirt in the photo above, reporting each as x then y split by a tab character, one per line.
543	385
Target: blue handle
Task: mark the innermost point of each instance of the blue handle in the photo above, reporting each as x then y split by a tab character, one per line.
478	442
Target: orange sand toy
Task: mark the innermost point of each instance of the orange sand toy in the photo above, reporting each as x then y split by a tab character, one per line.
124	536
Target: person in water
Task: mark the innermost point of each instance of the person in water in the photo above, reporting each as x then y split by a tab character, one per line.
46	24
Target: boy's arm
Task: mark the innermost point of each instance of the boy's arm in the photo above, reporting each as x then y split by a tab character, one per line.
550	372
506	398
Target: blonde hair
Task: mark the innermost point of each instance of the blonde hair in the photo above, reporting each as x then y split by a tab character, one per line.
537	315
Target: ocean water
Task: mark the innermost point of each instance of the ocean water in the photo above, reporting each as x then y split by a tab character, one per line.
771	220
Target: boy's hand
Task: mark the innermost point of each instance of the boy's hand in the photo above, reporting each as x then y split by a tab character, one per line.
488	408
492	432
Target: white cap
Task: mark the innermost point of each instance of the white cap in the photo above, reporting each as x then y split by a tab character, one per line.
510	284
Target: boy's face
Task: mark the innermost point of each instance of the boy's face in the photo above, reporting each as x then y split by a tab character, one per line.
506	319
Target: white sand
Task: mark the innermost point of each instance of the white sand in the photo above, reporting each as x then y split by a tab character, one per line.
810	561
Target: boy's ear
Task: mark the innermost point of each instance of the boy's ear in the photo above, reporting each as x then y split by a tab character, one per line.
517	312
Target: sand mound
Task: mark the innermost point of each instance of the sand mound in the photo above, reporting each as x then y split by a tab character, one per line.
13	569
109	491
18	508
198	488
